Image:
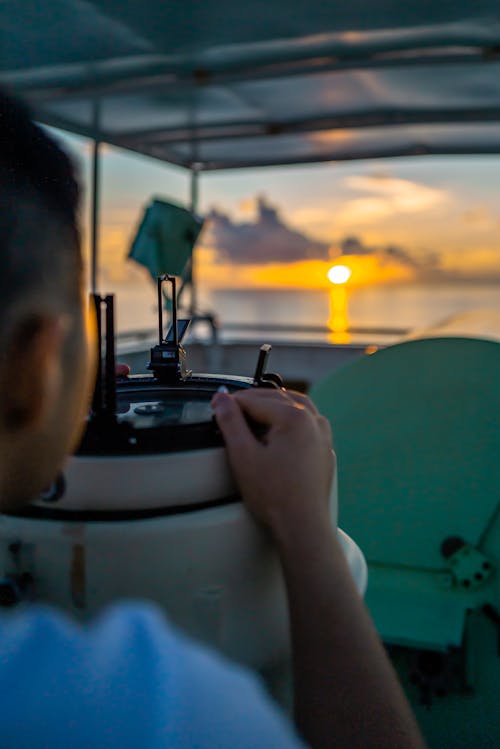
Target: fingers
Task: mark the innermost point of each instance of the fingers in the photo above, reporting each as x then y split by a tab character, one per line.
232	423
323	423
326	430
274	393
280	396
266	406
303	400
269	407
122	370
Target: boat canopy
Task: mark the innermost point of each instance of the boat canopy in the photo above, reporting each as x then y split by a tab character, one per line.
217	84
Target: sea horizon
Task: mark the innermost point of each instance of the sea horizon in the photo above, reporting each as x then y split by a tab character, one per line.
339	309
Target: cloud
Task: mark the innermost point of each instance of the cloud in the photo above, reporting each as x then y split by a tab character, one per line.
354	246
363	211
249	207
267	239
389	196
474	262
479	217
387	254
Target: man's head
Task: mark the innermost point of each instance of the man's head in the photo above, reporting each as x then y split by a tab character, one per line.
45	366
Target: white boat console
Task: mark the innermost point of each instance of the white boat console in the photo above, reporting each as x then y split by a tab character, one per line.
148	509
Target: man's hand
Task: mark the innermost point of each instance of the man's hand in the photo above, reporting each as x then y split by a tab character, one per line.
122	370
345	691
285	478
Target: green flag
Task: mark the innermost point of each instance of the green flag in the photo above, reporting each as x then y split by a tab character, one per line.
165	239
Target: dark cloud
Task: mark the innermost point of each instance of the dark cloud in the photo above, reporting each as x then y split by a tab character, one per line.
424	262
266	240
354	246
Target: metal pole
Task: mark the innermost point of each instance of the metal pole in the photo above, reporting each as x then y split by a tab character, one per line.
94	242
94	208
175	328
194	209
160	310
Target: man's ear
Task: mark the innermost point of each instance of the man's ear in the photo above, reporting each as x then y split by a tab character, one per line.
32	372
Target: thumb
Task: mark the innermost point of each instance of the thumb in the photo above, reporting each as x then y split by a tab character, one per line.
232	424
122	370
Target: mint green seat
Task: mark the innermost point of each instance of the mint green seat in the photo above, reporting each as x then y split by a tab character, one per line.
417	434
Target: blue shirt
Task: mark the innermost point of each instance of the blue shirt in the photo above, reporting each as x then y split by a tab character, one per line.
127	680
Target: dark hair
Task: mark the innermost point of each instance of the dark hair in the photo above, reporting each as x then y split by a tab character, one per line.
39	202
31	159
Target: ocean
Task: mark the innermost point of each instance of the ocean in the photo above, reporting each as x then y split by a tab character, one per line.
366	313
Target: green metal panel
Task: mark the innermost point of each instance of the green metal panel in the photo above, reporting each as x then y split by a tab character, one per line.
416	429
414	609
417	439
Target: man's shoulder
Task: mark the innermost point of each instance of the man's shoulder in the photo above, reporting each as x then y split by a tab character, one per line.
134	676
130	626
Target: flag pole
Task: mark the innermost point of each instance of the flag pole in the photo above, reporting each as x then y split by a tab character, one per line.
194	210
95	195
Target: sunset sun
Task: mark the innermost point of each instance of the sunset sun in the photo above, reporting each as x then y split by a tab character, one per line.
339	274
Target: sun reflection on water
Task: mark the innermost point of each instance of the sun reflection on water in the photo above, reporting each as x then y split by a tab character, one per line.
338	320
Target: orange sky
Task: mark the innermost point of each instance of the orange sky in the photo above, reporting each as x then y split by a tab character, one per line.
448	207
309	274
